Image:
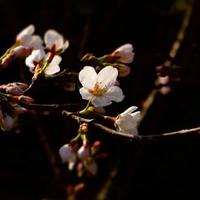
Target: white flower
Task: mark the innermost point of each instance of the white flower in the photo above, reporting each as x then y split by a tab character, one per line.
37	56
53	67
26	38
68	155
128	121
34	59
100	88
124	53
55	41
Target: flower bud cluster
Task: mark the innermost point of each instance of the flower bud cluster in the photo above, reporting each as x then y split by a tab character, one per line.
80	155
120	58
167	76
10	95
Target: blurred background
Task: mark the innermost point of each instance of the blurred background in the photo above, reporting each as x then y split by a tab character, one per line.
164	169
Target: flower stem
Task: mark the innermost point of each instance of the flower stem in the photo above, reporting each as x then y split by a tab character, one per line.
84	111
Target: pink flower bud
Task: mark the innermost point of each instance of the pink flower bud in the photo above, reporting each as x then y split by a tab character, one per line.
124	54
165	90
7	123
163	80
25	99
95	146
15	88
19	109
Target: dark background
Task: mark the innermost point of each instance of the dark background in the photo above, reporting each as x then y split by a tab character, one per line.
163	169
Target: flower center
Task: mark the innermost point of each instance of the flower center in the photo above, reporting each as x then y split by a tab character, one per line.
98	90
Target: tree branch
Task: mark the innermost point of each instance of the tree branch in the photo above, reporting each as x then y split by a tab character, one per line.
113	132
92	122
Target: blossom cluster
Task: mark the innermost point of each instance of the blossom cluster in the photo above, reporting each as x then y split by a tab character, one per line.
100	87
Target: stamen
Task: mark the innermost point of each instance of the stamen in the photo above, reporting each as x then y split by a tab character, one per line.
98	90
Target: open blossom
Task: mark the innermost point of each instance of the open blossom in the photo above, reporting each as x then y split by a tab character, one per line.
100	88
124	54
55	42
26	38
37	57
26	32
128	121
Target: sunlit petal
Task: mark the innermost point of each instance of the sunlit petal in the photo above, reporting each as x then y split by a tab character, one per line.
87	77
115	93
107	76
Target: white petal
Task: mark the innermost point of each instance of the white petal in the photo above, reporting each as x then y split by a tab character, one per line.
53	67
136	116
29	30
101	101
83	152
67	154
133	131
125	48
65	45
85	94
36	56
87	77
129	110
36	42
114	93
29	62
56	60
25	40
107	76
51	38
71	165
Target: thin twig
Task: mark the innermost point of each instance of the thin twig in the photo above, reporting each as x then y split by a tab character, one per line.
113	132
172	54
81	119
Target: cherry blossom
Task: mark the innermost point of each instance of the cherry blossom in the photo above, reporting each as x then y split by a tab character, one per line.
26	38
128	121
37	59
100	88
55	42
